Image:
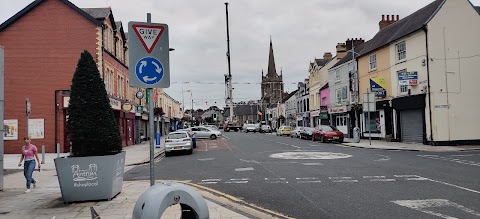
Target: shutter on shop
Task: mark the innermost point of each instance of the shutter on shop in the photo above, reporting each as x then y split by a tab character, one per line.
411	122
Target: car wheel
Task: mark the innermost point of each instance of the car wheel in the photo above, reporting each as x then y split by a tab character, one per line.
213	137
190	151
341	141
313	138
323	139
167	154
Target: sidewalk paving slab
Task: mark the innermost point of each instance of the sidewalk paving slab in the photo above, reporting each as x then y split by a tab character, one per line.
384	145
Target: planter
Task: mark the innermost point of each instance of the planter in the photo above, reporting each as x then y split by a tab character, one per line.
90	178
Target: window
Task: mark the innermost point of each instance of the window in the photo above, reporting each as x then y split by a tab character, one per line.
118	85
401	51
105	78
324	101
338	94
374	124
344	92
403	89
337	75
373	62
111	82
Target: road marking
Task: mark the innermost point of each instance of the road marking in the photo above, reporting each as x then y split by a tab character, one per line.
236	182
405	176
385	158
242	179
211	180
205	183
274	179
276	182
383	180
206	159
373	177
312	164
314	145
421	205
464	155
309	155
294	146
244	169
466	162
417	179
449	184
340	177
315	181
306	178
213	147
345	180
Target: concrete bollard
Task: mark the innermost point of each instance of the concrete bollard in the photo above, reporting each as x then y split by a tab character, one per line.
43	154
58	150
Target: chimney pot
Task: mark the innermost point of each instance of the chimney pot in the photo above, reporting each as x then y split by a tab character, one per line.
398	17
383	17
388	17
393	17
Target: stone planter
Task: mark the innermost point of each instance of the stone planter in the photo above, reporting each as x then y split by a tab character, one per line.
90	178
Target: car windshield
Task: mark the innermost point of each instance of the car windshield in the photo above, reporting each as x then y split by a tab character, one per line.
177	135
328	128
309	129
251	125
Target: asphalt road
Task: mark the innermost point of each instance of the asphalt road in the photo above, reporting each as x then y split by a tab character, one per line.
305	179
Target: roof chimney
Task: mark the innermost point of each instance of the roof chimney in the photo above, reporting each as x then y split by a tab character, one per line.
385	23
341	50
353	43
327	56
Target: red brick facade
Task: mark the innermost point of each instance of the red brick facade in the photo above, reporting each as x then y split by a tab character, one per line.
42	49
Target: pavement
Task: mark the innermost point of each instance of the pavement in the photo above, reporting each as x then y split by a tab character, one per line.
294	178
379	144
45	200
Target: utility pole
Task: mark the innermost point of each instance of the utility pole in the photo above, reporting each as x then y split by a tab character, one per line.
2	129
229	77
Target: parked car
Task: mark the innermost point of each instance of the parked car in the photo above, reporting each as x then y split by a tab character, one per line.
191	134
326	133
284	130
307	133
178	141
214	127
204	132
265	129
296	132
251	128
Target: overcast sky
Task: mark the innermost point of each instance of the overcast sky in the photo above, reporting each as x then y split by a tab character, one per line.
300	30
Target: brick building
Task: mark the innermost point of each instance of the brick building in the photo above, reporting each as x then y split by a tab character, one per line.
43	43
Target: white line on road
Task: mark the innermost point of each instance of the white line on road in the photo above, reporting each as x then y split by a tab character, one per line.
448	184
276	182
340	177
211	180
417	179
205	183
274	179
383	180
422	205
236	182
306	178
385	158
244	169
206	159
242	179
313	181
312	164
345	180
373	177
405	176
294	146
464	155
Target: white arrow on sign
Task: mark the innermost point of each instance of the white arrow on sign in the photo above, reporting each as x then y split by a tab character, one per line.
146	78
157	69
143	64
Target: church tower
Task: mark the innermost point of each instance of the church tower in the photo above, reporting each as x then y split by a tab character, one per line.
272	83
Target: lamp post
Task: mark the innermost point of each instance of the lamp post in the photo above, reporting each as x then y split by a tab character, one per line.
355	77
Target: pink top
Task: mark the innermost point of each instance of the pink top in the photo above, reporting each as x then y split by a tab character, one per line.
30	153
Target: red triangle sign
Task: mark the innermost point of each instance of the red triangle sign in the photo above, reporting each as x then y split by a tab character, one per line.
148	35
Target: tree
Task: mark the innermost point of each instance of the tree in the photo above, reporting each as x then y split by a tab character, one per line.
91	125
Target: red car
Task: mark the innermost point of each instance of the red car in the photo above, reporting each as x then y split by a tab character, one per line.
326	133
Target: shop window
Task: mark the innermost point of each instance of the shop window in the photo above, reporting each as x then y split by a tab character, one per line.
374	124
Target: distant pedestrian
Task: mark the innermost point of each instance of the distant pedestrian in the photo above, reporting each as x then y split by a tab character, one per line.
29	153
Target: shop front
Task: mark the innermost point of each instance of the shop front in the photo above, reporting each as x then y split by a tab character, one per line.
410	119
341	119
306	119
315	118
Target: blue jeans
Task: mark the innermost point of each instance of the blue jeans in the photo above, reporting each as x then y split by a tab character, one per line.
28	168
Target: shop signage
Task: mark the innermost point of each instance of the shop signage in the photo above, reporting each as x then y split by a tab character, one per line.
115	104
127	106
315	113
378	85
306	114
323	115
323	108
299	118
10	128
407	78
340	109
144	117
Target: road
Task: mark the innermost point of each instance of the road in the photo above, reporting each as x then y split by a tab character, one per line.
305	179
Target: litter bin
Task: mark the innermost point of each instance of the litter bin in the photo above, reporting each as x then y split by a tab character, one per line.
356	135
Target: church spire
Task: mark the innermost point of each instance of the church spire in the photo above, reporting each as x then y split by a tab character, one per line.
271	62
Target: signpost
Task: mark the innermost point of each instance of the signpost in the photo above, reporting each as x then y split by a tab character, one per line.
149	66
369	103
2	127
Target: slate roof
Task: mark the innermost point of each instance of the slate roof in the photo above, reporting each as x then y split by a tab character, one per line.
402	27
478	9
34	4
98	13
321	62
241	110
348	57
289	95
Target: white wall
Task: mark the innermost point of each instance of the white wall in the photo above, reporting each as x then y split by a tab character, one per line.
460	24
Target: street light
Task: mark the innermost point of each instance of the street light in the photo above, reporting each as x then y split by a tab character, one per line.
355	77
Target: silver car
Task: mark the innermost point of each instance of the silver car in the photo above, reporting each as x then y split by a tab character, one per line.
296	133
178	141
204	132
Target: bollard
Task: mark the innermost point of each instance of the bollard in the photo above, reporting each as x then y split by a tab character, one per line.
43	154
58	150
153	202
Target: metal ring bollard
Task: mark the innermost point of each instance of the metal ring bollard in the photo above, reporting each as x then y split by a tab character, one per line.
153	202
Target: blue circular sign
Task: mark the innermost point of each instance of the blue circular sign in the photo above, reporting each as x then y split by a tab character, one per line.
149	70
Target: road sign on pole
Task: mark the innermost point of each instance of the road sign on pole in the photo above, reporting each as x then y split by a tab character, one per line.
148	46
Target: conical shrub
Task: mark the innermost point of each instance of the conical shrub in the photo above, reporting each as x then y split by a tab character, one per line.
91	124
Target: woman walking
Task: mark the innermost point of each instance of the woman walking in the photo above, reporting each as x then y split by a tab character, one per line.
29	153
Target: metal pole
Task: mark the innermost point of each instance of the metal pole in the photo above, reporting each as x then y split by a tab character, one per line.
27	106
151	125
58	150
230	85
2	130
368	109
43	154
